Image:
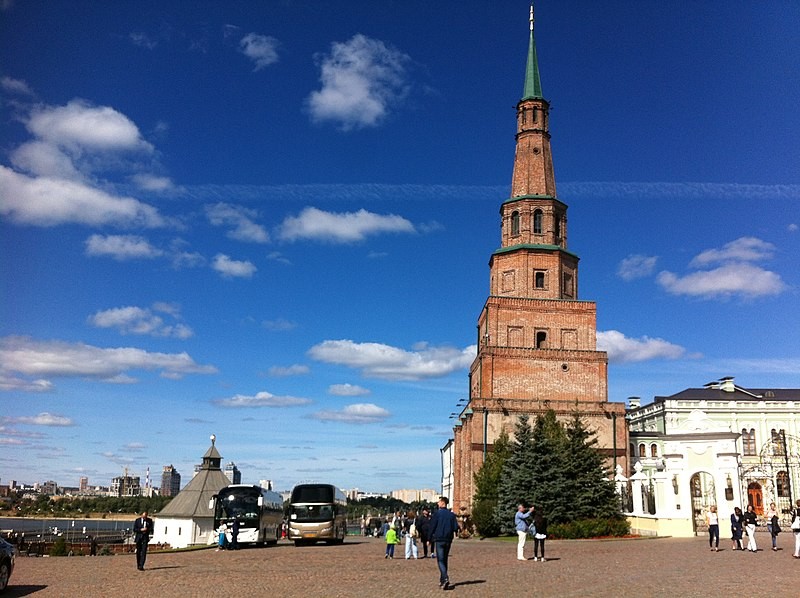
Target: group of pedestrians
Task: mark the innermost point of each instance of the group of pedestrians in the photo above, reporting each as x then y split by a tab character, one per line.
530	523
431	531
746	522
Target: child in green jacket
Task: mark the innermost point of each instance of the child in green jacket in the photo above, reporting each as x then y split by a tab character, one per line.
391	540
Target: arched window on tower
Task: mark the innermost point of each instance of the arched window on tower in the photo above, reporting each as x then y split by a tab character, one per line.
558	226
642	450
514	223
538	280
654	451
537	222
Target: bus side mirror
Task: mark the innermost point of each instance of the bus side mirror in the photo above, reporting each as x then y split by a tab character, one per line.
211	504
260	501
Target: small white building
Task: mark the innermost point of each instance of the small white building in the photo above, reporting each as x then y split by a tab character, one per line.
720	445
187	520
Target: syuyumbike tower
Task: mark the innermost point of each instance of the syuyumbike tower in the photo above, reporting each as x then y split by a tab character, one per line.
536	339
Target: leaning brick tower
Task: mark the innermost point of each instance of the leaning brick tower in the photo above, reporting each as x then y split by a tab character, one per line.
536	340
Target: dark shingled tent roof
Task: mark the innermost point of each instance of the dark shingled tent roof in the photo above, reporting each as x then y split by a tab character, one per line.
192	501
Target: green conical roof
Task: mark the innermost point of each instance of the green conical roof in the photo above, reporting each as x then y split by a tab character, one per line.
533	85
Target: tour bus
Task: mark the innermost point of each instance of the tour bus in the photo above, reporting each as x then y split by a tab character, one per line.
317	512
259	511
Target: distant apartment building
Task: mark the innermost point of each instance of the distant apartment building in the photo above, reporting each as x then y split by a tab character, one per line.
232	473
170	481
49	487
83	484
126	485
265	484
410	496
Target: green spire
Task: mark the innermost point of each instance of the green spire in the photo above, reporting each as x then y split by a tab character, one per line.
533	85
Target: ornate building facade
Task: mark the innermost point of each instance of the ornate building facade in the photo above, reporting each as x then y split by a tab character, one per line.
536	338
721	445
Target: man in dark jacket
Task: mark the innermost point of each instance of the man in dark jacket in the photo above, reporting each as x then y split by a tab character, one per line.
444	526
423	524
142	529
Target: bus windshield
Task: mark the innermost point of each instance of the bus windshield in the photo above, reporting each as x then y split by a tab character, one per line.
312	512
241	505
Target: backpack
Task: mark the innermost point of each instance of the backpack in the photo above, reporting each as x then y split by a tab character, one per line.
531	530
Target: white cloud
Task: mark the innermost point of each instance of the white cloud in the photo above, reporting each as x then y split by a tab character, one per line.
382	361
348	390
17	86
743	280
81	125
43	419
44	159
241	219
622	349
279	325
232	268
138	320
636	266
261	49
793	228
735	275
48	359
141	39
14	383
262	399
46	201
151	182
292	370
121	247
358	413
744	249
347	227
361	80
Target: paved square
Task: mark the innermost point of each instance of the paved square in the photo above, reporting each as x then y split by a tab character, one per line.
579	568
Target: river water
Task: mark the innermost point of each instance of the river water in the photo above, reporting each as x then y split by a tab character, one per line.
32	527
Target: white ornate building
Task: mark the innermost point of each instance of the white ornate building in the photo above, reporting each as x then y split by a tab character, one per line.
720	445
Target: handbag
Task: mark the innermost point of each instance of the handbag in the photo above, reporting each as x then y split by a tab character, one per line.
796	522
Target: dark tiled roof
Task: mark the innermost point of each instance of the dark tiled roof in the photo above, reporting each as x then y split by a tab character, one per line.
739	394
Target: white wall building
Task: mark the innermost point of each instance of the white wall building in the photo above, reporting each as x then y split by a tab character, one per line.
720	445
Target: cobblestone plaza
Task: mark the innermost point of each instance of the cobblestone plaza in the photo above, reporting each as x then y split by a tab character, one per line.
612	568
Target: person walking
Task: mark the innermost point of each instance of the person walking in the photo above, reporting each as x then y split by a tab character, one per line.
142	529
750	521
391	540
424	529
736	528
712	520
444	527
411	534
795	525
521	524
773	527
540	523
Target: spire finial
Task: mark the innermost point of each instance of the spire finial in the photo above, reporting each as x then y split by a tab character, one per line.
533	86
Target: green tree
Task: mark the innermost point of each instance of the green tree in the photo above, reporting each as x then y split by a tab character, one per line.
487	487
517	483
593	493
548	468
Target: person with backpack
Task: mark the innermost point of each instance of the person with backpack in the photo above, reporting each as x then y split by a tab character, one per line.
521	525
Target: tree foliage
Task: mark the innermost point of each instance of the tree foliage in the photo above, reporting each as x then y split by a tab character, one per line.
558	469
487	487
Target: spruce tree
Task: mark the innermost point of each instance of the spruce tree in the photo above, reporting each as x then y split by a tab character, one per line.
517	482
551	490
593	493
487	487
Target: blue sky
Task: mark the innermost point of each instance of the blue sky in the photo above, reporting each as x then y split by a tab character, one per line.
272	221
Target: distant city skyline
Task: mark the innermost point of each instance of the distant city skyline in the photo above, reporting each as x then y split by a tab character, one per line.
272	221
